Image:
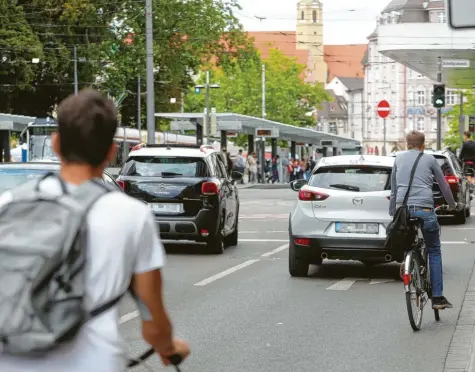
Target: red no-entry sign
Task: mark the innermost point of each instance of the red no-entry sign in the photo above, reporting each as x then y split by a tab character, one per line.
384	109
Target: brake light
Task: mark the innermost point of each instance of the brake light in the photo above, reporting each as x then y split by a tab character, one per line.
451	180
307	195
121	184
302	241
406	278
209	188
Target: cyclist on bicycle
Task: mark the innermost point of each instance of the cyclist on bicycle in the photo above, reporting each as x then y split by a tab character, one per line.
467	154
421	204
123	250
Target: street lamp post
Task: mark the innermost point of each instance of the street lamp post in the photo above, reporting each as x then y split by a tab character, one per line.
208	87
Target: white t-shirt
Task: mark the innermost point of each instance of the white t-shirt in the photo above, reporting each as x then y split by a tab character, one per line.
123	240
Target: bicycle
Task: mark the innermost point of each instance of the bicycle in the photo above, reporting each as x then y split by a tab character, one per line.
416	276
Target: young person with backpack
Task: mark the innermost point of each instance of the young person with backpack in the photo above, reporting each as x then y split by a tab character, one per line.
424	171
71	248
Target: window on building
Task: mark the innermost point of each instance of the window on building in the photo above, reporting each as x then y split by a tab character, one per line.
441	17
420	124
451	97
302	15
431	97
314	16
421	97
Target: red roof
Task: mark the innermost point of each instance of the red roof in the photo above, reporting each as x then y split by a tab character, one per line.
342	60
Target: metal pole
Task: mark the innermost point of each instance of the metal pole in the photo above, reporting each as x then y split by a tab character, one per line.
182	102
139	107
75	70
208	121
461	120
384	137
263	91
439	110
150	77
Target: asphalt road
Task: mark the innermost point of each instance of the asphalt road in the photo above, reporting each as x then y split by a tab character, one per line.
241	311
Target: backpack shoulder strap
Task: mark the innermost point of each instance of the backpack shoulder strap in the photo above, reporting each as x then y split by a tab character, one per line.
411	178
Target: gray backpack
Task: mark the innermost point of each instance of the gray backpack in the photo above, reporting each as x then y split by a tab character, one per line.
42	266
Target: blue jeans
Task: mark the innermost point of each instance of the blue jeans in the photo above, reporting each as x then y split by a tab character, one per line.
431	234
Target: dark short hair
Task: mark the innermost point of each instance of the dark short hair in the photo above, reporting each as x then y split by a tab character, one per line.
467	134
87	123
415	140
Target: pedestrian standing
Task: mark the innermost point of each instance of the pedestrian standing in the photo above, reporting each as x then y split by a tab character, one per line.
240	164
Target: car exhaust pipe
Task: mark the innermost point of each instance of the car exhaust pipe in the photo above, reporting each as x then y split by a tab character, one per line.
388	258
324	255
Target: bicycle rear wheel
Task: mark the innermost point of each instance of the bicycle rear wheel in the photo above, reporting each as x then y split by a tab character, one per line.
414	290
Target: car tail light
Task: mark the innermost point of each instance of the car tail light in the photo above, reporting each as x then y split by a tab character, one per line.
209	188
406	278
302	241
452	180
204	232
307	195
138	147
121	184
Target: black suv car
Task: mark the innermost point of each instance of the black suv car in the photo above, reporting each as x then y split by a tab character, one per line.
458	183
188	190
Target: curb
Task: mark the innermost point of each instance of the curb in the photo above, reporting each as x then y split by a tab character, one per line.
461	353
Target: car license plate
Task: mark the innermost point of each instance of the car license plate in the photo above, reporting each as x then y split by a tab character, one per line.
356	228
166	207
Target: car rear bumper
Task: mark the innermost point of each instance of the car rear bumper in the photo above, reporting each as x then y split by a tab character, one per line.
343	248
188	228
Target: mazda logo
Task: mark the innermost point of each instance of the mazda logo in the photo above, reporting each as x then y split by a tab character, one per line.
358	201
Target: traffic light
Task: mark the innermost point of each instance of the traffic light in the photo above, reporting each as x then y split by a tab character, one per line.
439	95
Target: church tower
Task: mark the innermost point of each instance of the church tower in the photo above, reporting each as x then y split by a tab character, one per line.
310	37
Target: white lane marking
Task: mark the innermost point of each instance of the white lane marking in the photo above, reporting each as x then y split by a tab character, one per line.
343	285
263	232
225	273
275	251
459	228
381	281
262	216
263	240
125	318
457	242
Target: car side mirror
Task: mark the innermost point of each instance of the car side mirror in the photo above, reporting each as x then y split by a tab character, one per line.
298	184
236	176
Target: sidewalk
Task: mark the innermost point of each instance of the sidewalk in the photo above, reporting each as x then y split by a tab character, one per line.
461	354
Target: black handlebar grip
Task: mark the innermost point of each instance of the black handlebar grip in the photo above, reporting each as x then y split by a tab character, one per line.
175	359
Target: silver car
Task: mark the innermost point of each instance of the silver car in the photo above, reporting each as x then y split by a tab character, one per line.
342	212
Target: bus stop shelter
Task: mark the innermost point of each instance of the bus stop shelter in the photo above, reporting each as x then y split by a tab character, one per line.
8	125
227	123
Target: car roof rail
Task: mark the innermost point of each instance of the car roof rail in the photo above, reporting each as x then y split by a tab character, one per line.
165	146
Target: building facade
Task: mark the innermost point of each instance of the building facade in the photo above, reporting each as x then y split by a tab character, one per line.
409	92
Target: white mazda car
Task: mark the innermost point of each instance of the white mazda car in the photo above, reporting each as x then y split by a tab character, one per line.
342	212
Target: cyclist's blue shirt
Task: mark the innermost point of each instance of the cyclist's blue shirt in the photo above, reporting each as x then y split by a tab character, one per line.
427	172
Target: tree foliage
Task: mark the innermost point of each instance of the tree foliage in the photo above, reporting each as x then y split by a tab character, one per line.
452	137
110	40
288	98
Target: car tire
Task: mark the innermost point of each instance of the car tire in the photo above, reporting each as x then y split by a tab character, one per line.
232	239
460	217
215	243
298	267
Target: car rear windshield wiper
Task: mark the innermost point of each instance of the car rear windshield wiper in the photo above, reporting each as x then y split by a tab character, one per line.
345	187
170	174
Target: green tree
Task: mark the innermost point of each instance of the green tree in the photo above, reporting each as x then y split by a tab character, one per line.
18	46
288	97
452	137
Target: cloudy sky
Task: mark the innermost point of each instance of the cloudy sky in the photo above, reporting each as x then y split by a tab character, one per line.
345	21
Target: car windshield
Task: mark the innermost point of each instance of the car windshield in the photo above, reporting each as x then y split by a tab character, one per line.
11	178
153	166
352	178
